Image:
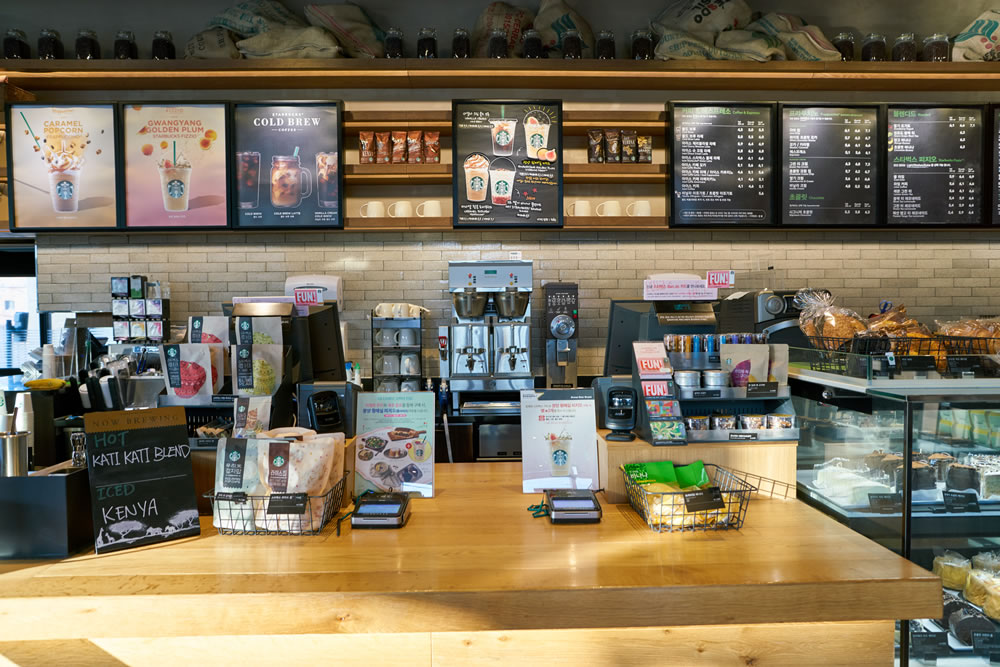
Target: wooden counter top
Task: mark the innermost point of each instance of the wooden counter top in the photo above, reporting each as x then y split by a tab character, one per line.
472	559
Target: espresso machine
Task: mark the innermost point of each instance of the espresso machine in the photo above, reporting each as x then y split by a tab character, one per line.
486	352
562	301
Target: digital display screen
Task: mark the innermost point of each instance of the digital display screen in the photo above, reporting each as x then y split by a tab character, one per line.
369	509
622	401
572	504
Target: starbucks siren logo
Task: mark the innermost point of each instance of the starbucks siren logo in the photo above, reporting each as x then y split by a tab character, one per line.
502	187
175	189
244	354
64	190
242	408
278	461
234	456
172	352
503	138
244	325
560	457
536	141
196	324
477	183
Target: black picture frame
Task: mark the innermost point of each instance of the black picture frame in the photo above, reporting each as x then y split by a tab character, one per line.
456	166
119	177
234	202
227	123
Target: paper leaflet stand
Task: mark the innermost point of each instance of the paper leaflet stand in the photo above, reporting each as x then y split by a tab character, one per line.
658	414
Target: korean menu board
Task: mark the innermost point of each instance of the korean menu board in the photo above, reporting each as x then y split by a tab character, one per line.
63	170
287	165
507	163
830	166
395	443
558	441
935	165
175	165
723	162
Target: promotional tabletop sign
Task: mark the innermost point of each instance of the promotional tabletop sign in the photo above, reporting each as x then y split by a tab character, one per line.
175	165
141	481
395	443
287	165
558	440
63	169
508	161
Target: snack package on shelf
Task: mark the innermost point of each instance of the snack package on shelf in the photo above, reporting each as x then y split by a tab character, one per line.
251	416
188	370
828	326
257	369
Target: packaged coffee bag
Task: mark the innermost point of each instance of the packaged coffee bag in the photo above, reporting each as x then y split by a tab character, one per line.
366	148
236	471
258	330
188	371
630	145
414	146
208	329
294	467
554	18
398	146
512	20
595	145
645	148
383	148
612	146
251	416
432	147
257	369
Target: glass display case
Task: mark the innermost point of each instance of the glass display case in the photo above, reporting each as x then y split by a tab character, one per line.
914	464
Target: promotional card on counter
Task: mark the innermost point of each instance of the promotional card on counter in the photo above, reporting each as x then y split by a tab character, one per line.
63	167
175	165
507	168
287	165
558	440
395	443
141	480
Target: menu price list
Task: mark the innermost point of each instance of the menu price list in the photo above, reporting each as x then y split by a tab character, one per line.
935	165
830	165
722	164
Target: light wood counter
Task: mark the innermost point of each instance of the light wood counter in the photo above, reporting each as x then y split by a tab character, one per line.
473	572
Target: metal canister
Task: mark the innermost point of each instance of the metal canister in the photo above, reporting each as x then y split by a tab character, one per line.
711	343
723	422
780	421
715	378
696	343
14	454
753	422
688	379
670	342
699	423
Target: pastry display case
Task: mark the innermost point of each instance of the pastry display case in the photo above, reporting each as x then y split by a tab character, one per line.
913	463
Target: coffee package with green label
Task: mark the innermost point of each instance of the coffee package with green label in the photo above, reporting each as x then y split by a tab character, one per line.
208	329
188	372
258	330
294	467
236	472
257	369
251	416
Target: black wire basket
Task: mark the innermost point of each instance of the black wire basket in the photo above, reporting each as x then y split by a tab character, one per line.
240	514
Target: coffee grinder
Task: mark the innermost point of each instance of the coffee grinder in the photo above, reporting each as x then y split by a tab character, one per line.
562	301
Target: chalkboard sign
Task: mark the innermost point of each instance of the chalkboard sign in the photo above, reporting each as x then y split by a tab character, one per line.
935	165
141	481
507	165
830	166
722	163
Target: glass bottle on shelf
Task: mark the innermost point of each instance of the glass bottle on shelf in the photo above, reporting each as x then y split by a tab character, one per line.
393	43
15	45
461	45
605	46
873	48
937	48
497	46
125	48
532	47
427	43
572	45
50	46
163	46
844	42
904	49
87	46
642	45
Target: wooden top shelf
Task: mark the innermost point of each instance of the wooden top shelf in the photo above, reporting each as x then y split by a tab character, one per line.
34	75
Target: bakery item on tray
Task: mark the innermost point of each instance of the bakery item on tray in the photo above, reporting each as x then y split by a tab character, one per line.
977	585
952	603
923	477
964	622
962	477
953	568
941	462
988	561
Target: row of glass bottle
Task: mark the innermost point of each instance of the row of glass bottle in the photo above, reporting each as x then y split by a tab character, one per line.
572	44
937	48
50	46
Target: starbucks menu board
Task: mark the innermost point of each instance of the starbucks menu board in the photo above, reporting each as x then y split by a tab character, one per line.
830	166
62	163
722	164
175	165
287	165
935	165
507	163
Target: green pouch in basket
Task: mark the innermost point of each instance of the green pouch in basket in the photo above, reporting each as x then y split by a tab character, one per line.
692	475
655	472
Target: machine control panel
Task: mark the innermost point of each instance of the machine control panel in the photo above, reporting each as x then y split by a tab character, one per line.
562	303
490	276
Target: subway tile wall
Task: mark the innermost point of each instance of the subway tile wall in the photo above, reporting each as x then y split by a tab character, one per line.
937	274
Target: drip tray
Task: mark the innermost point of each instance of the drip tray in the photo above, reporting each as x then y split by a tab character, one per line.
473	408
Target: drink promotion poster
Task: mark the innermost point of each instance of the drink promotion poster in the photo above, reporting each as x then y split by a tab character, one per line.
63	167
394	450
175	165
558	440
287	165
507	168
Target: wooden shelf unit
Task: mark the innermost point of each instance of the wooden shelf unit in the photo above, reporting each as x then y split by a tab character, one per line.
619	173
397	174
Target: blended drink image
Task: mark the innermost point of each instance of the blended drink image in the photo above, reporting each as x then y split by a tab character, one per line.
559	454
64	156
248	178
536	132
477	175
175	183
326	180
287	179
501	181
503	135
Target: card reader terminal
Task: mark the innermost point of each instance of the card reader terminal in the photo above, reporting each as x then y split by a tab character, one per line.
381	510
573	506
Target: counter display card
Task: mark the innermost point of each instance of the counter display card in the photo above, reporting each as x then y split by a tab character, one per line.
63	167
287	165
935	165
558	440
830	168
395	444
507	167
141	480
175	165
723	164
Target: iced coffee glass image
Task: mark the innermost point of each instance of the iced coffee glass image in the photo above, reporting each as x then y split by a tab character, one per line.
501	181
503	135
248	179
477	176
290	181
559	455
64	156
326	180
536	132
175	183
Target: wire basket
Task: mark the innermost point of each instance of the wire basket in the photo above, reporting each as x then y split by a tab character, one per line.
667	512
240	514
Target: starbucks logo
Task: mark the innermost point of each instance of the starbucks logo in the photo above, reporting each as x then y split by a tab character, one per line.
172	352
503	138
244	354
560	457
278	461
64	190
242	408
175	189
536	141
196	324
234	456
477	183
245	325
502	187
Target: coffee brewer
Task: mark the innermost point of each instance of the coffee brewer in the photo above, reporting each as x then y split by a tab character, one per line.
562	302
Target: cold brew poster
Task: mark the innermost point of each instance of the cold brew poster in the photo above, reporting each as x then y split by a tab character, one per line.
507	163
287	165
175	165
63	172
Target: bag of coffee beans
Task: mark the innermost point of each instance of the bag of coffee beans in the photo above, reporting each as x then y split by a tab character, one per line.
630	142
612	146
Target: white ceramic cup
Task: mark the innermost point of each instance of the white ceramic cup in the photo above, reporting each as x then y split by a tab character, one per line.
383	310
610	208
387	386
389	364
373	209
409	364
387	337
409	385
406	336
429	209
400	209
416	310
400	310
639	209
579	208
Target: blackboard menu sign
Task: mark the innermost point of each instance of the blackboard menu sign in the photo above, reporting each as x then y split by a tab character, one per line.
723	161
141	481
507	163
287	165
830	168
935	165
